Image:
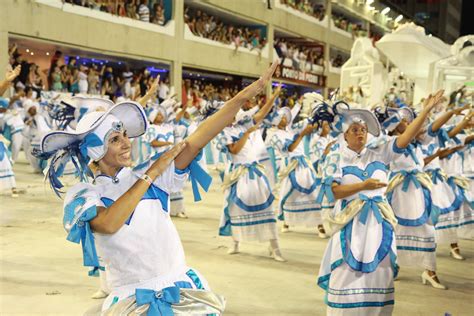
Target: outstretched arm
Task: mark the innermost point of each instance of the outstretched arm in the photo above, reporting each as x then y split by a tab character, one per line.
465	122
412	130
236	147
437	124
218	121
308	130
9	77
150	93
263	112
110	220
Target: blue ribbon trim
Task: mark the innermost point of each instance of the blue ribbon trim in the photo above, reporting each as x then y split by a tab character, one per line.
360	304
370	205
199	177
294	182
384	248
325	190
160	302
427	213
81	231
91	140
366	173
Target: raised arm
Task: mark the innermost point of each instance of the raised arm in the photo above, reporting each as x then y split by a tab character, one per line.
308	130
150	93
412	130
263	112
236	147
9	77
218	121
438	123
465	122
110	220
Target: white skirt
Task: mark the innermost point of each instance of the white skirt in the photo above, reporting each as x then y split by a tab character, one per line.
248	212
358	269
298	194
456	217
7	177
416	244
182	278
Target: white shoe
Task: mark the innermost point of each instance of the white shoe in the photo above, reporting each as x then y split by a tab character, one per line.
99	294
455	254
182	215
272	253
234	250
425	277
285	229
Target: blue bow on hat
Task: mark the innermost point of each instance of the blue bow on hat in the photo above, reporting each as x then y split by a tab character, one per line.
91	140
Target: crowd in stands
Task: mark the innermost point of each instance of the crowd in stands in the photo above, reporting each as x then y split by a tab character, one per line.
78	75
311	7
144	10
302	58
85	78
338	60
211	27
342	22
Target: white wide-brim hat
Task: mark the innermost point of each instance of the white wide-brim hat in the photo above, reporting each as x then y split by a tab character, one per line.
350	116
130	113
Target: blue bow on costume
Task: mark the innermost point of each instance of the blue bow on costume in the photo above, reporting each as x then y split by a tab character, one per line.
410	151
81	232
2	151
410	176
436	176
301	161
443	137
326	190
253	170
370	205
91	140
198	177
160	302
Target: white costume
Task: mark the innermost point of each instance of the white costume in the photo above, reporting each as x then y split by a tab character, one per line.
7	177
144	258
298	192
248	213
359	263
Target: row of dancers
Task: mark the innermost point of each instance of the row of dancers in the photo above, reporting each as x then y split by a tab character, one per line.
386	186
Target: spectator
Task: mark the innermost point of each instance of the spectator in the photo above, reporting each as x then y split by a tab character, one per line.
93	80
158	15
131	9
127	76
144	11
57	84
74	81
82	79
164	90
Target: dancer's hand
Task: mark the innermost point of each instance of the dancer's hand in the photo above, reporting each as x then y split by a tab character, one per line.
253	129
373	184
11	75
432	101
257	86
162	163
154	86
309	129
458	111
328	148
